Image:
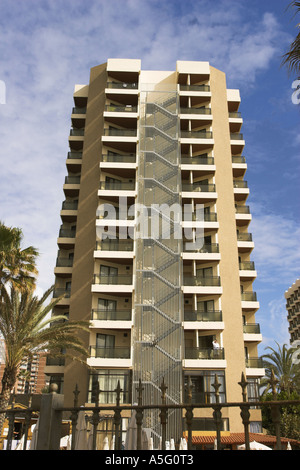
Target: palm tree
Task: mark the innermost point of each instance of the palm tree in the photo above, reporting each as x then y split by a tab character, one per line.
286	372
292	57
27	328
17	266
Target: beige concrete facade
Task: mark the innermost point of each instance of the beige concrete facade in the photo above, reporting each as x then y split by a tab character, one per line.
99	277
292	296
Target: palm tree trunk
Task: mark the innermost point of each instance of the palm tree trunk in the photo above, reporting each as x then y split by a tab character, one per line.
8	381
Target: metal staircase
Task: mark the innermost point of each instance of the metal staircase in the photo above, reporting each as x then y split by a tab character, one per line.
158	334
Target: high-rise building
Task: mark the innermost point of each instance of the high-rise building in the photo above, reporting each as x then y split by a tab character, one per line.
292	296
154	246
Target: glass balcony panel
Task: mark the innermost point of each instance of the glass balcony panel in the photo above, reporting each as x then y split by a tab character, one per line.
111	315
196	134
242	209
194	88
110	353
77	132
195	110
240	184
196	315
204	353
249	296
238	159
114	280
236	136
198	187
120	132
254	362
122	85
75	155
115	245
252	328
117	158
201	281
247	265
121	109
211	248
244	237
197	160
117	185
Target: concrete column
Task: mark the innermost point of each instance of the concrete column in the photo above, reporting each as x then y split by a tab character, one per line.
49	426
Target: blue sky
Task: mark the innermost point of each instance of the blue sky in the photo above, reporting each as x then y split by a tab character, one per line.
48	46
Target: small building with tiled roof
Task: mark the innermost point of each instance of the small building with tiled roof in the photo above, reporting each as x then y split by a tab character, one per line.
233	440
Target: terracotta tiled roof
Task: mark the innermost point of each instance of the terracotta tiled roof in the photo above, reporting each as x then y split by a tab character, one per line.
238	438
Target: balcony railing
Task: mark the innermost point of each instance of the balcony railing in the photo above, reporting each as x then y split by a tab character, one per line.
247	265
194	88
198	187
77	132
122	85
242	209
197	160
252	328
110	353
64	263
72	180
55	361
58	291
118	185
206	248
254	362
115	245
69	206
75	155
195	110
111	315
113	280
78	110
249	296
240	184
204	353
196	315
201	281
236	136
120	132
235	114
196	134
117	158
244	237
121	109
67	233
238	159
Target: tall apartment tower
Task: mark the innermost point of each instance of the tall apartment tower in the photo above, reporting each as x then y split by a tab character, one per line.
292	296
154	246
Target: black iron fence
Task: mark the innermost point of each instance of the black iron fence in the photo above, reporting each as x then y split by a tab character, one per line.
51	412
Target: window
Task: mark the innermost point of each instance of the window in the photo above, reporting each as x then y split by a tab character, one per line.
108	381
202	386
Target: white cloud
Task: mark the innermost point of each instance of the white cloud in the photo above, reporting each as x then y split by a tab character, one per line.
46	47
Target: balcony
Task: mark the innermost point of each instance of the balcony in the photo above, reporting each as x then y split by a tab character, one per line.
195	319
113	108
196	135
111	315
74	161
200	111
117	283
69	211
123	162
254	367
61	291
204	357
197	160
249	301
117	186
113	248
122	86
206	192
241	190
242	214
239	166
201	285
245	242
76	139
247	270
115	245
204	353
203	252
109	357
252	332
237	142
71	186
194	89
114	188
